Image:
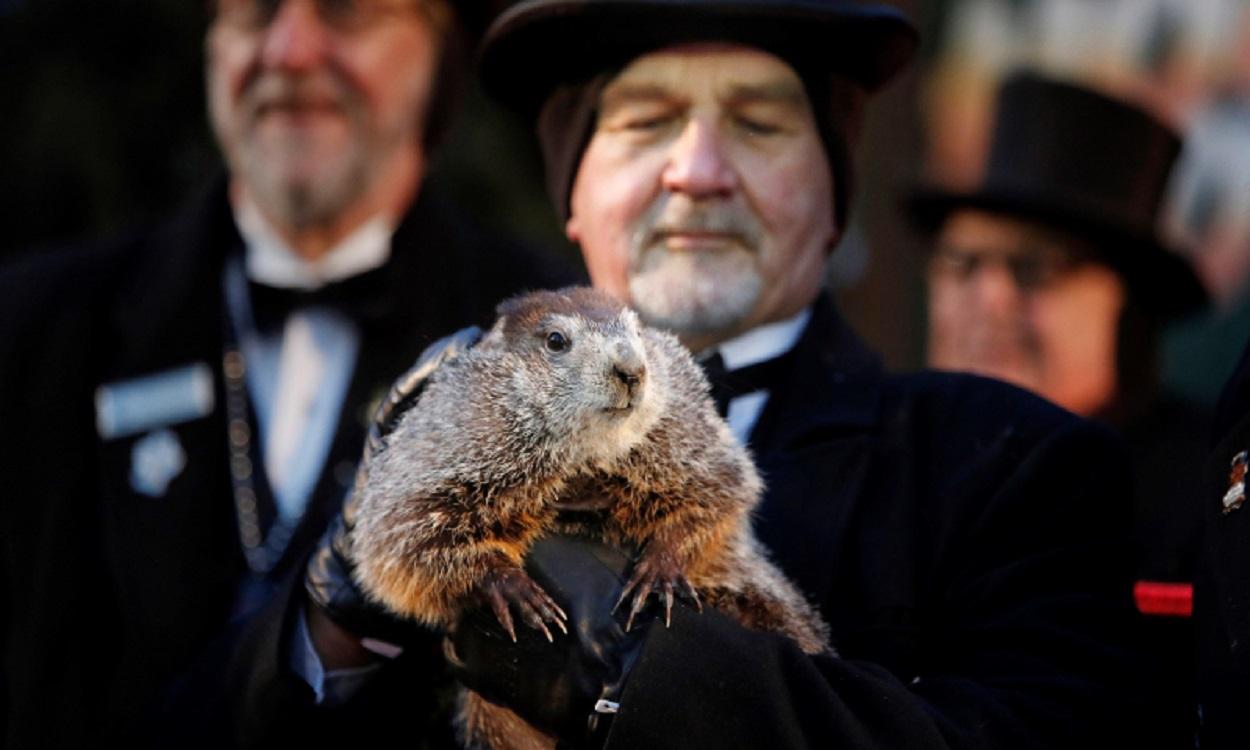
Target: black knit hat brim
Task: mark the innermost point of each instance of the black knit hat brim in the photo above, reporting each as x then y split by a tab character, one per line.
540	44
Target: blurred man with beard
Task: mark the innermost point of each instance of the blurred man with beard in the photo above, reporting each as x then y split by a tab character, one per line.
183	409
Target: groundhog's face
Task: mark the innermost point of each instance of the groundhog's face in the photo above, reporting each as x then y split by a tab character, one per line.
582	369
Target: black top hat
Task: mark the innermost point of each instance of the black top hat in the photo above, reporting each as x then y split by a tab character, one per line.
1079	161
539	44
476	15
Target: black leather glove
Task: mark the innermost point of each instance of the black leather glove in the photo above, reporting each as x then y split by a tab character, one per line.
567	688
328	577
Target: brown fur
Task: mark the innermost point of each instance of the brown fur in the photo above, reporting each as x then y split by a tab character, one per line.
510	430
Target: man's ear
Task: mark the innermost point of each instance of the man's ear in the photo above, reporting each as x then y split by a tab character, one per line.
572	230
835	237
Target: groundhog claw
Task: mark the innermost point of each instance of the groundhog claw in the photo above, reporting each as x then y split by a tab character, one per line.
512	586
657	569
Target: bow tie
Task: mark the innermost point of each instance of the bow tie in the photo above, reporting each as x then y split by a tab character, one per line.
361	298
729	384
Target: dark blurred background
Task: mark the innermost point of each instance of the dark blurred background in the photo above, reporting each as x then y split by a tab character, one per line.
103	131
103	117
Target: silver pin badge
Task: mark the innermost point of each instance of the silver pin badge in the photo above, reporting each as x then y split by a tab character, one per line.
1236	493
155	460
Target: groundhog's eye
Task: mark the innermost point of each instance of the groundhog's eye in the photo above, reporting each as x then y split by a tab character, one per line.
558	342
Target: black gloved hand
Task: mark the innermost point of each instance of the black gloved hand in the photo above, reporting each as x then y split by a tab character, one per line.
328	578
566	688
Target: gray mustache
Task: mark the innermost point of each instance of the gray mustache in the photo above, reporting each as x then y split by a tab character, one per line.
283	91
712	221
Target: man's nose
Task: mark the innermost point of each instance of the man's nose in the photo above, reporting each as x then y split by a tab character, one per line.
297	38
996	288
698	164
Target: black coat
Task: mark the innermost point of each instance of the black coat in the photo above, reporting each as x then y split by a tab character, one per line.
1167	441
1222	584
968	543
108	593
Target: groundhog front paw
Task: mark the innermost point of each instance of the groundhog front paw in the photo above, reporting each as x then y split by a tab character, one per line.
657	571
503	586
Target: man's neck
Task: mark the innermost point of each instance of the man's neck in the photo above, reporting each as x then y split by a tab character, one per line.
790	326
270	261
763	342
313	243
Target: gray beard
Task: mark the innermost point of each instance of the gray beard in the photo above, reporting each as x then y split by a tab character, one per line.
305	204
696	292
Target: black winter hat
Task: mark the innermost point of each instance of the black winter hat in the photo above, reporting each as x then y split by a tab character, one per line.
539	44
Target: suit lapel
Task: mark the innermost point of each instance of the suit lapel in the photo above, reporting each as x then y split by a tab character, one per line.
165	546
813	444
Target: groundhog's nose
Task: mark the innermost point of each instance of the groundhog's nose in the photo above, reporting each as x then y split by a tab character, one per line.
627	366
629	378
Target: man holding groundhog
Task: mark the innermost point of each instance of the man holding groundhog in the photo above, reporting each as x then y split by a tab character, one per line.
965	541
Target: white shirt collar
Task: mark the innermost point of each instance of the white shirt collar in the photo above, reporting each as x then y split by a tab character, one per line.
269	260
764	342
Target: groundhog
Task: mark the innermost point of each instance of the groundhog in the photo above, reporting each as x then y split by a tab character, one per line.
567	403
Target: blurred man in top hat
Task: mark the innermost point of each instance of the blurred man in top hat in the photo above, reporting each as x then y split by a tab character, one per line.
1050	274
182	410
965	540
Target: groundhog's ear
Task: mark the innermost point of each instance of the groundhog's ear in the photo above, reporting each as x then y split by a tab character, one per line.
494	336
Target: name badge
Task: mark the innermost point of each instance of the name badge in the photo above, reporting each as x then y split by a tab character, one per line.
129	407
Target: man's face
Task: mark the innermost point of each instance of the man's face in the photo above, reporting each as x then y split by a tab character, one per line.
317	103
1013	301
704	198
